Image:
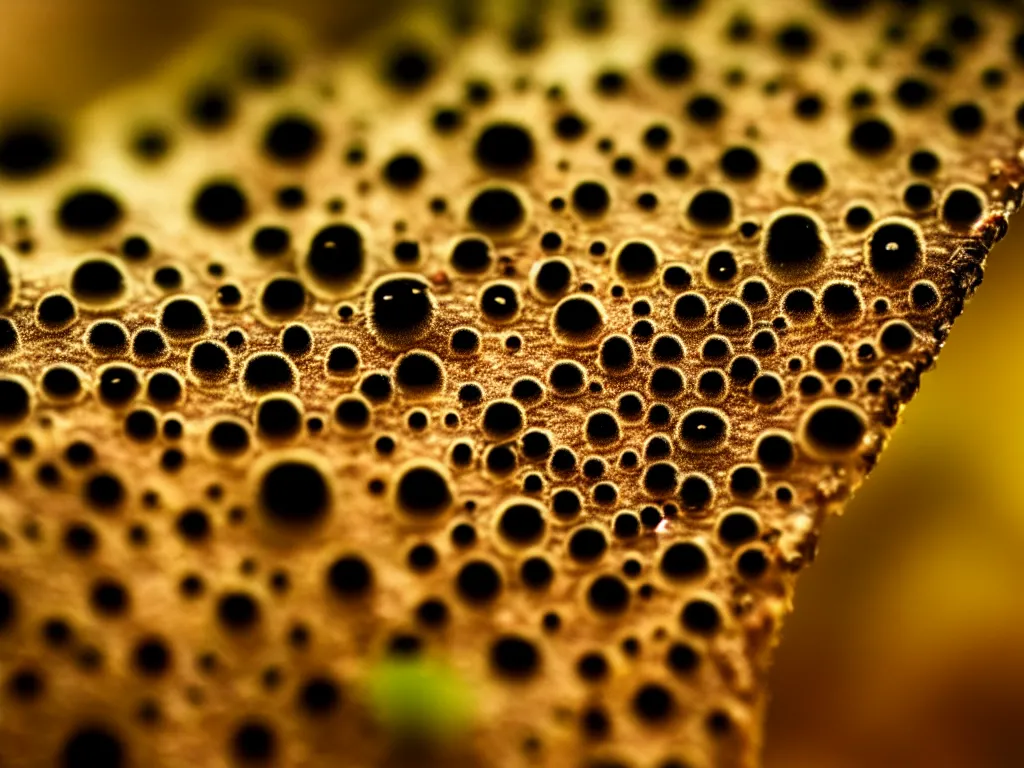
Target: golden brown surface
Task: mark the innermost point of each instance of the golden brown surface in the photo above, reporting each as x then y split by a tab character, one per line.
649	710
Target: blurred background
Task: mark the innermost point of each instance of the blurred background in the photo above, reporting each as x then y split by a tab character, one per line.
61	53
907	645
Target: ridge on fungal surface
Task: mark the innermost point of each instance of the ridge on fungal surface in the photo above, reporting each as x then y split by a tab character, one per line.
477	395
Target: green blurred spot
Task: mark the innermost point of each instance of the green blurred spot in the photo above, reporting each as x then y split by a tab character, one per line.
420	699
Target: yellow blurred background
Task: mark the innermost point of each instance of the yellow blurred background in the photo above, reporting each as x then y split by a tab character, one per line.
907	645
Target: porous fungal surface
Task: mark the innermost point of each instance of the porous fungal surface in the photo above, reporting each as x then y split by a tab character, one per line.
476	395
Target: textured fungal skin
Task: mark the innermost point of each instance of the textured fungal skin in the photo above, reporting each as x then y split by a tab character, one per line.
537	348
